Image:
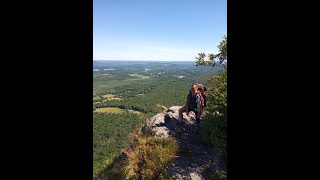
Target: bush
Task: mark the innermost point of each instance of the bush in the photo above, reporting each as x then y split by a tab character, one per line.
147	157
215	124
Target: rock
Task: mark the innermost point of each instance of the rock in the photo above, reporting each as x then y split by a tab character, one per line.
168	119
174	109
190	119
156	120
155	124
169	115
195	176
161	132
146	129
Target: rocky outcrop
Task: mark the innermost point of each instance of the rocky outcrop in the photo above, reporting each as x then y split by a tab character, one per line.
164	123
194	157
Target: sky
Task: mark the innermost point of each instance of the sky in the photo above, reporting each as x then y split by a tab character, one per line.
159	30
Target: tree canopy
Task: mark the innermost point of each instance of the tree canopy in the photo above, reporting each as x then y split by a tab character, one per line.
214	59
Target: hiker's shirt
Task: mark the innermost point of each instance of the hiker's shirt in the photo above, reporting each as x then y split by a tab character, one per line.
198	100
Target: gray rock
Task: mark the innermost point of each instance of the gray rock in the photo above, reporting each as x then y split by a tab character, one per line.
195	176
158	119
161	132
174	109
190	119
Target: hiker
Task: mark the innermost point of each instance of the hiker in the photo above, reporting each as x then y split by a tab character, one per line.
196	100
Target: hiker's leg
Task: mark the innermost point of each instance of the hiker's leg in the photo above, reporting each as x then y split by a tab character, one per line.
181	110
198	117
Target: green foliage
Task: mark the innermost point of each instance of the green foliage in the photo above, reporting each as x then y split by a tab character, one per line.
201	61
164	175
214	59
216	175
222	55
110	132
96	98
215	124
163	89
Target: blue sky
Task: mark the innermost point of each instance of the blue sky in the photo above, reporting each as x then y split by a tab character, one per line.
157	29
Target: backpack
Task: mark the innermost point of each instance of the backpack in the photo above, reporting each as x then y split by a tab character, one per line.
203	90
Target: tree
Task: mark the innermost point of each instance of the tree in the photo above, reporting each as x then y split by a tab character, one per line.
214	59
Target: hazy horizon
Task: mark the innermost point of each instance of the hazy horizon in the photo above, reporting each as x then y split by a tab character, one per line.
138	60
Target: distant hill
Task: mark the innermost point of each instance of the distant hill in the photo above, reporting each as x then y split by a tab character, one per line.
108	64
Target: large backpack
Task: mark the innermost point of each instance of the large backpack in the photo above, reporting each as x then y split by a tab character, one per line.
203	90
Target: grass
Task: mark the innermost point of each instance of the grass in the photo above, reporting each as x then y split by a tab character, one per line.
110	99
108	96
133	111
146	158
109	110
96	98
